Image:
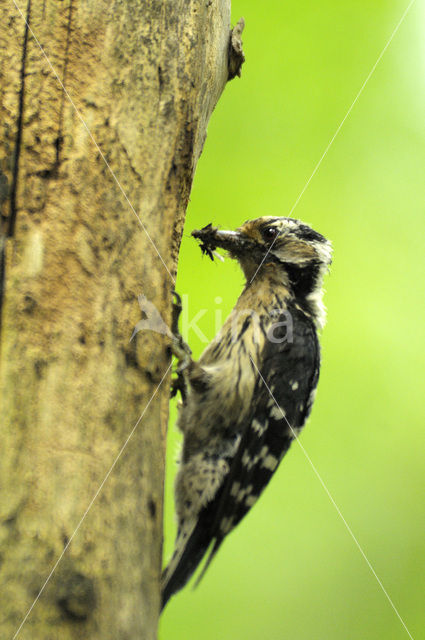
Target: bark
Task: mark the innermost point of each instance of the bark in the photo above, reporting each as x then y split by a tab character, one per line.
103	114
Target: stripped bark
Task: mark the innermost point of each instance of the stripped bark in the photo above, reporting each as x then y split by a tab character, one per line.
103	115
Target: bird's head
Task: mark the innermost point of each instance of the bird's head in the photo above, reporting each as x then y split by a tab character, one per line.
285	249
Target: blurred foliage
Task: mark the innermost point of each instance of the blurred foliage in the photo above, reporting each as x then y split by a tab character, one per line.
291	569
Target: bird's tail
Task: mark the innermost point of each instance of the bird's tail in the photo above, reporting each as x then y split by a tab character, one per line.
191	545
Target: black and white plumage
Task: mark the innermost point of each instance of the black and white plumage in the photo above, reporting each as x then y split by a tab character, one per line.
252	389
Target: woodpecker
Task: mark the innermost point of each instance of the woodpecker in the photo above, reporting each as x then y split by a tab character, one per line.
251	391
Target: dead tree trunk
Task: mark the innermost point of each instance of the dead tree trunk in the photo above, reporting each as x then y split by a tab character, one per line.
103	114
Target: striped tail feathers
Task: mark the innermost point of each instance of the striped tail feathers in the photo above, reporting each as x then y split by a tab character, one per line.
191	545
178	570
194	537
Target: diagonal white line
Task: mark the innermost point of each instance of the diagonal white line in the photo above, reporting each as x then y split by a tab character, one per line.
91	503
328	493
340	126
354	102
92	139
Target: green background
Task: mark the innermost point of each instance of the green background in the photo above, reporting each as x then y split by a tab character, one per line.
291	570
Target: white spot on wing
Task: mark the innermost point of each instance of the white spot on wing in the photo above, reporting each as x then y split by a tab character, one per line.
244	492
235	488
258	427
264	451
250	500
277	413
226	525
312	397
270	462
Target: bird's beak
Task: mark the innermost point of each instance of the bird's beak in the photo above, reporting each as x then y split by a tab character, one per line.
211	238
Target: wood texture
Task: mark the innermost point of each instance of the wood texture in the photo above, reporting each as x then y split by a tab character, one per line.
103	115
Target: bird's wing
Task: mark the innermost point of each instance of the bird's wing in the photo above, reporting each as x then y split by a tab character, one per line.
281	403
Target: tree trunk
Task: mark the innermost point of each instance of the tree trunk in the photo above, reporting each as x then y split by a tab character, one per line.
104	107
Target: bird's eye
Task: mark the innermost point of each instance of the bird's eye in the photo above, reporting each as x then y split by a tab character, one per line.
269	233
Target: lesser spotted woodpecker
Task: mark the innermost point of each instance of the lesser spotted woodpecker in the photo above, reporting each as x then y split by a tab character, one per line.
252	389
